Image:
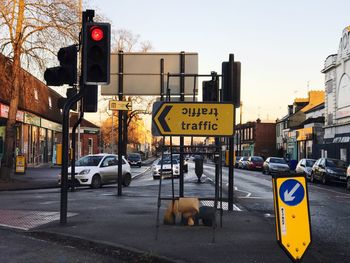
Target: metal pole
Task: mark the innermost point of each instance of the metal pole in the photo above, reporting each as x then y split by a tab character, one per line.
112	136
182	98
81	115
240	127
65	147
120	122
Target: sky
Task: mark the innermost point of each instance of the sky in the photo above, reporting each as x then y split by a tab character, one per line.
282	45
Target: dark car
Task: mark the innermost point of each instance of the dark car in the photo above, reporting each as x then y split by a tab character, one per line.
135	159
275	165
255	163
327	169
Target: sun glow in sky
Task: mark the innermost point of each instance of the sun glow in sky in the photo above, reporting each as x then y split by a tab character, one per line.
282	45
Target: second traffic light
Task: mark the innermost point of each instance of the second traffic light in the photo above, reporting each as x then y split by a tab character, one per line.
66	73
96	53
210	90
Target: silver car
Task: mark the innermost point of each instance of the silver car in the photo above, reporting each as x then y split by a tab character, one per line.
304	166
275	165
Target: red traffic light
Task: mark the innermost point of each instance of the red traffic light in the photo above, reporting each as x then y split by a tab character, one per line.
96	33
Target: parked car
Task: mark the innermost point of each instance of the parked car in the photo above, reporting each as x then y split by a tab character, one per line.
304	166
275	165
242	163
255	163
135	159
98	169
237	161
176	156
327	169
164	168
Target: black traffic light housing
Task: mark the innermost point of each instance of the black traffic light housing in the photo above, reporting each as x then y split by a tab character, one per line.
66	73
70	93
231	81
96	53
211	90
90	98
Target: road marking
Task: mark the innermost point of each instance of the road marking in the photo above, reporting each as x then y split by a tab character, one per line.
328	190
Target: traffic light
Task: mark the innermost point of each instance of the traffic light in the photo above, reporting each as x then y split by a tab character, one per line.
90	98
210	90
70	93
231	81
96	53
66	73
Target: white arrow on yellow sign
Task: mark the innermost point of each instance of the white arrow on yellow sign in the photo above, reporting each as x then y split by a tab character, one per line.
120	105
291	204
192	119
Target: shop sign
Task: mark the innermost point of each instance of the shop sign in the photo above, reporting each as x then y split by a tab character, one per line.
31	119
91	131
304	134
51	125
4	112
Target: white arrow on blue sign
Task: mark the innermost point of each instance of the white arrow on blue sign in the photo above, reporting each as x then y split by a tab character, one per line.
291	192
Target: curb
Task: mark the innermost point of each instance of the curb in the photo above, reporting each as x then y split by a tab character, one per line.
101	247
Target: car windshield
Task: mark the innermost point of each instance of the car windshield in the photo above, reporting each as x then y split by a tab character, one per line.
336	163
278	160
134	156
310	163
245	159
167	161
257	159
89	161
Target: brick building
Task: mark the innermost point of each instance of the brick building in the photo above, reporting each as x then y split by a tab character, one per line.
255	138
38	127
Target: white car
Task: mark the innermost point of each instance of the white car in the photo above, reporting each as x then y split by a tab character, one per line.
165	169
304	166
98	169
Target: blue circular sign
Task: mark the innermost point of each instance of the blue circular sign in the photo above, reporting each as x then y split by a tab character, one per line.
292	192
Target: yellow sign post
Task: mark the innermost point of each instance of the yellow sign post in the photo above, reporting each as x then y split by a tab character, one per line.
291	203
20	164
120	105
192	119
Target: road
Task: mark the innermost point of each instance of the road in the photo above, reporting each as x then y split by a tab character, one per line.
329	209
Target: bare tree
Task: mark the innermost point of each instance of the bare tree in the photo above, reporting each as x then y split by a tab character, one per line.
31	31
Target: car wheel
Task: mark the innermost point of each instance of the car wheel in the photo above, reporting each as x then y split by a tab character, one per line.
268	171
348	183
140	165
312	177
324	179
127	179
263	171
96	181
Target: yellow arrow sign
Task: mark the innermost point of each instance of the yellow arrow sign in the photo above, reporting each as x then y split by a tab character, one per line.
291	204
120	105
192	119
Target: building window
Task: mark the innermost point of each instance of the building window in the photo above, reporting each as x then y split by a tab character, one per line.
36	95
343	154
50	103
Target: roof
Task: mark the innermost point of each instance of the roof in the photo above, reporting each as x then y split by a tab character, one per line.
316	108
83	123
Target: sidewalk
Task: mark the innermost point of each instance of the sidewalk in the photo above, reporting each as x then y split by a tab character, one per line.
34	178
129	223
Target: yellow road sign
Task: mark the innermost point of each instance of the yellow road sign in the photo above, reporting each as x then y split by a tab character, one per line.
291	204
192	119
120	105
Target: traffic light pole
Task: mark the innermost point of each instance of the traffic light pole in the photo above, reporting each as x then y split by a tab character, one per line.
81	115
65	146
